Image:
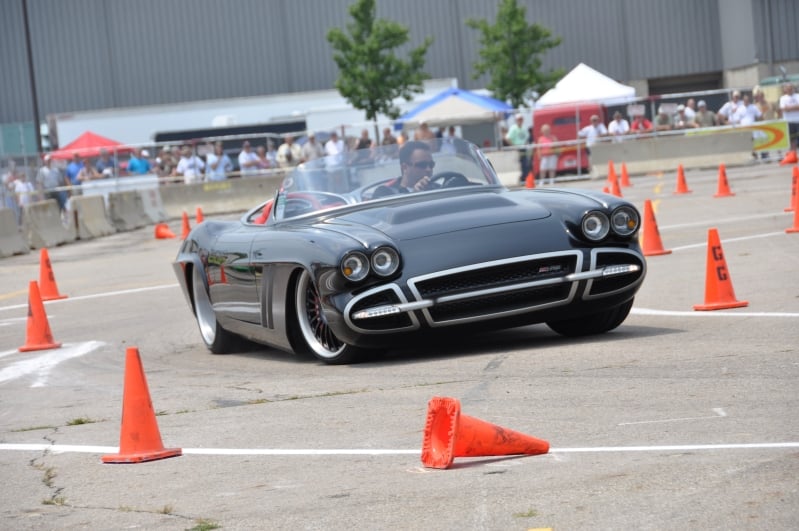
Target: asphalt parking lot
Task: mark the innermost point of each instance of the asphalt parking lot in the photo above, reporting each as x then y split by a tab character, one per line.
677	419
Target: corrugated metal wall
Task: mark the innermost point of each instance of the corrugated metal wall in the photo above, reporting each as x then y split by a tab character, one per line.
93	54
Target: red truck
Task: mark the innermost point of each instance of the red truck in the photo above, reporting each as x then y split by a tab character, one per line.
565	121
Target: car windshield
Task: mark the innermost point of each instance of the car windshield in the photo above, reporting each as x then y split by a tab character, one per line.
382	172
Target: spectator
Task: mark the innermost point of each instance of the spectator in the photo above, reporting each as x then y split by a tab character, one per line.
190	166
73	168
751	112
789	105
271	153
690	109
547	155
732	111
263	159
518	137
388	138
424	133
641	125
89	173
48	181
448	141
402	137
9	189
768	111
593	132
312	149
25	194
248	160
704	118
662	120
138	163
681	120
218	164
334	148
364	142
618	127
106	164
289	154
164	164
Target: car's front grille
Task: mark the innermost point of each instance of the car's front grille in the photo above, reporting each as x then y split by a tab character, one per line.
498	288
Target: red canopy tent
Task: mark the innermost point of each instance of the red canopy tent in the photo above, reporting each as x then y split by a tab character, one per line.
89	145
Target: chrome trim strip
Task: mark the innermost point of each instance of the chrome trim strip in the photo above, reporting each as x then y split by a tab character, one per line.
612	250
404	303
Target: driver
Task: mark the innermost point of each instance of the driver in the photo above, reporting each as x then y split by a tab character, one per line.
416	164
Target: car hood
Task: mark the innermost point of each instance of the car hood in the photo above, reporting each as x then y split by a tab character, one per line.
429	216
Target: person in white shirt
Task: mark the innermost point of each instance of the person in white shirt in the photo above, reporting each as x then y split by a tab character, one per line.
751	113
334	149
248	160
190	166
218	164
618	127
789	105
732	111
592	132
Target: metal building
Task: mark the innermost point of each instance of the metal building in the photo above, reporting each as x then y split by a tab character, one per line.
99	54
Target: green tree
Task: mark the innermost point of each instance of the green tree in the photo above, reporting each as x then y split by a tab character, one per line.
371	74
511	54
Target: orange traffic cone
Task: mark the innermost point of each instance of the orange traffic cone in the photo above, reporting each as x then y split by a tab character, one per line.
682	187
186	226
611	172
199	218
448	434
794	189
38	335
795	227
47	285
162	232
790	158
529	182
724	187
652	246
615	189
719	294
140	439
625	177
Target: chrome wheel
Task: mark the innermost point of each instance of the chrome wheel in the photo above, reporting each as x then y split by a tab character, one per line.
217	339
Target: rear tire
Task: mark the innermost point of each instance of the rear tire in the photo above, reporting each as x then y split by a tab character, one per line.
217	339
312	335
597	323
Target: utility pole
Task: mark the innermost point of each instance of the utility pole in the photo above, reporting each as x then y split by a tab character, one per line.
36	127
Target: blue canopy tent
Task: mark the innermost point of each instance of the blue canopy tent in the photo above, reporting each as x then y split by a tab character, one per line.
455	106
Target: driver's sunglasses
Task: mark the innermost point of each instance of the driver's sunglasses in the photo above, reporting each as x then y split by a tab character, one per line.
424	164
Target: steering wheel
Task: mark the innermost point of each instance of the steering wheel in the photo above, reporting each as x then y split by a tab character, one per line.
450	179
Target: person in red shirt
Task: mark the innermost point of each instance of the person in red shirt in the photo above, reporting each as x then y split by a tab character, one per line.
641	125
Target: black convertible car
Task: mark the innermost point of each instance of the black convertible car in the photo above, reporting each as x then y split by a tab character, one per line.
376	248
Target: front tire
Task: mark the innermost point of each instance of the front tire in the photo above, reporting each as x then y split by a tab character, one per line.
312	334
217	339
597	323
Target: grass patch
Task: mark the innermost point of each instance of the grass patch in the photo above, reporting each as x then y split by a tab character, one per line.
32	428
256	401
204	525
80	420
529	514
166	509
58	500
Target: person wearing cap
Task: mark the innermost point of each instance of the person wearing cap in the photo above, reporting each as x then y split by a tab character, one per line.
248	160
733	111
312	149
663	120
681	119
618	127
593	132
50	182
704	117
138	163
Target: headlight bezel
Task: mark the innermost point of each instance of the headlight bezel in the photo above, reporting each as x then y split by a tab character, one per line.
381	262
595	218
348	263
384	252
630	226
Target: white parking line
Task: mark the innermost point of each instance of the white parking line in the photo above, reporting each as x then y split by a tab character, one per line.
42	364
728	240
94	296
669	313
68	448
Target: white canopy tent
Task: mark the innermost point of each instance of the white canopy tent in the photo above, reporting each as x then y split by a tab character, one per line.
584	83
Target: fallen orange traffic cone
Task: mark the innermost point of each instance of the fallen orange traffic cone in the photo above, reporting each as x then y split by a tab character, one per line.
199	218
723	187
719	294
448	434
163	232
38	335
140	439
682	187
625	177
47	285
790	158
186	226
794	189
652	245
529	182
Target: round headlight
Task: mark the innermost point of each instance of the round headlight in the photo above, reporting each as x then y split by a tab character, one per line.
624	220
385	261
595	226
355	266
